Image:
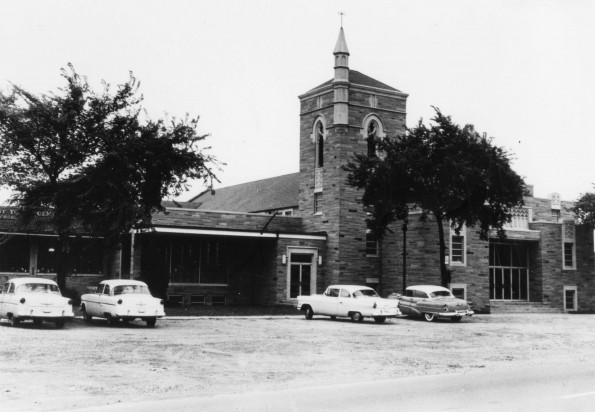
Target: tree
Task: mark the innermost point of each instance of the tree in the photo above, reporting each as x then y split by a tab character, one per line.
449	172
92	161
584	209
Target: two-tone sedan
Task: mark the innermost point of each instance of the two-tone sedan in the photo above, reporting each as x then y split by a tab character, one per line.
122	300
353	301
431	302
36	299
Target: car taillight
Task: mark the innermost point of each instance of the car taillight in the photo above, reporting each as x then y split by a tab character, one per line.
119	301
375	305
22	300
70	301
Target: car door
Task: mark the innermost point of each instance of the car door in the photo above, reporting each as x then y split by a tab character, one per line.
8	297
92	301
421	302
328	305
406	302
105	301
345	303
3	296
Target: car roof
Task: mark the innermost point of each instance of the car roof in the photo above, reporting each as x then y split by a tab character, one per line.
119	282
350	288
427	288
21	281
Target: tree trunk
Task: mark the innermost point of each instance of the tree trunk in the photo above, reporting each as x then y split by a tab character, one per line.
62	259
444	275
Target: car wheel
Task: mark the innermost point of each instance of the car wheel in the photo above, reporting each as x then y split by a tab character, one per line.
151	322
86	316
309	313
456	319
59	323
379	319
13	321
429	317
111	320
357	317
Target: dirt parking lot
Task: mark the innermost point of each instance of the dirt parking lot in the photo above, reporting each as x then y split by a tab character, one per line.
43	368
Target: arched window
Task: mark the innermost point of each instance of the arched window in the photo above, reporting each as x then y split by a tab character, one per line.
319	141
373	133
372	138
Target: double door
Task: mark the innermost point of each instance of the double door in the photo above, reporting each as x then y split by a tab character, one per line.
301	274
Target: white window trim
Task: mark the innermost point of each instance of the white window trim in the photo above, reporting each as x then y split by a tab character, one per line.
460	286
463	233
575	303
313	274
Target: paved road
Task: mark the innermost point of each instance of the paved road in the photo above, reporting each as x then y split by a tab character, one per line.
553	387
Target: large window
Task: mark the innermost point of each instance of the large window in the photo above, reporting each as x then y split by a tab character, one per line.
14	254
203	261
509	269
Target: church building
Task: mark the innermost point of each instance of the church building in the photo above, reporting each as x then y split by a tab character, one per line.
268	241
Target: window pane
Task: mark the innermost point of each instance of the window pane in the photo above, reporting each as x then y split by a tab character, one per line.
570	299
457	248
568	258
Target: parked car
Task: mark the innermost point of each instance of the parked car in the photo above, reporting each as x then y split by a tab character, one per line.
432	302
356	302
122	300
36	299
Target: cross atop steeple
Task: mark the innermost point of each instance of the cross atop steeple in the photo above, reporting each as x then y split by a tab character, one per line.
341	14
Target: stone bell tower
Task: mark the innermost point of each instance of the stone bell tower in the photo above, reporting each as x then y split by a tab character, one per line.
339	118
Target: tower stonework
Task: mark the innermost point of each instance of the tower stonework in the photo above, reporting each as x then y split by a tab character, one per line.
336	119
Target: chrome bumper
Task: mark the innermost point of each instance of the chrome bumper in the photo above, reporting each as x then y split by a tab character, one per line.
460	313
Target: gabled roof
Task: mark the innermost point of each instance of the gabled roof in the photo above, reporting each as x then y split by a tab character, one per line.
262	195
357	78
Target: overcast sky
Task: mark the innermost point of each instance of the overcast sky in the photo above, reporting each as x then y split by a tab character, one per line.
521	71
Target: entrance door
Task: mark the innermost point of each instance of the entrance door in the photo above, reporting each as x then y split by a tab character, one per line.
509	271
300	274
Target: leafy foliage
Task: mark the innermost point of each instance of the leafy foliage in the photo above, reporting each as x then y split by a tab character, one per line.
448	171
584	209
92	160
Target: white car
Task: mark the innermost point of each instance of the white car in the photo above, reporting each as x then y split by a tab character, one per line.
122	299
356	302
36	299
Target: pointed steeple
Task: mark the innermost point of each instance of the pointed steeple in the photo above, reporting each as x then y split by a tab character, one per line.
341	46
341	81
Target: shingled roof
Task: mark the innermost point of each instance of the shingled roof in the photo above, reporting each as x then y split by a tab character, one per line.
274	193
357	78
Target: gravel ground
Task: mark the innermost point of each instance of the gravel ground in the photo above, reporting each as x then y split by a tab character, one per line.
42	368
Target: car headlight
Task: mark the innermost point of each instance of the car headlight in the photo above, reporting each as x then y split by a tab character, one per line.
22	300
119	301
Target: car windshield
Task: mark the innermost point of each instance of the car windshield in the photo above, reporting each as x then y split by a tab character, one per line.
364	292
38	288
441	294
131	290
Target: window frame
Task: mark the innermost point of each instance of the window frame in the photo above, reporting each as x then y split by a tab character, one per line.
373	240
462	234
568	238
